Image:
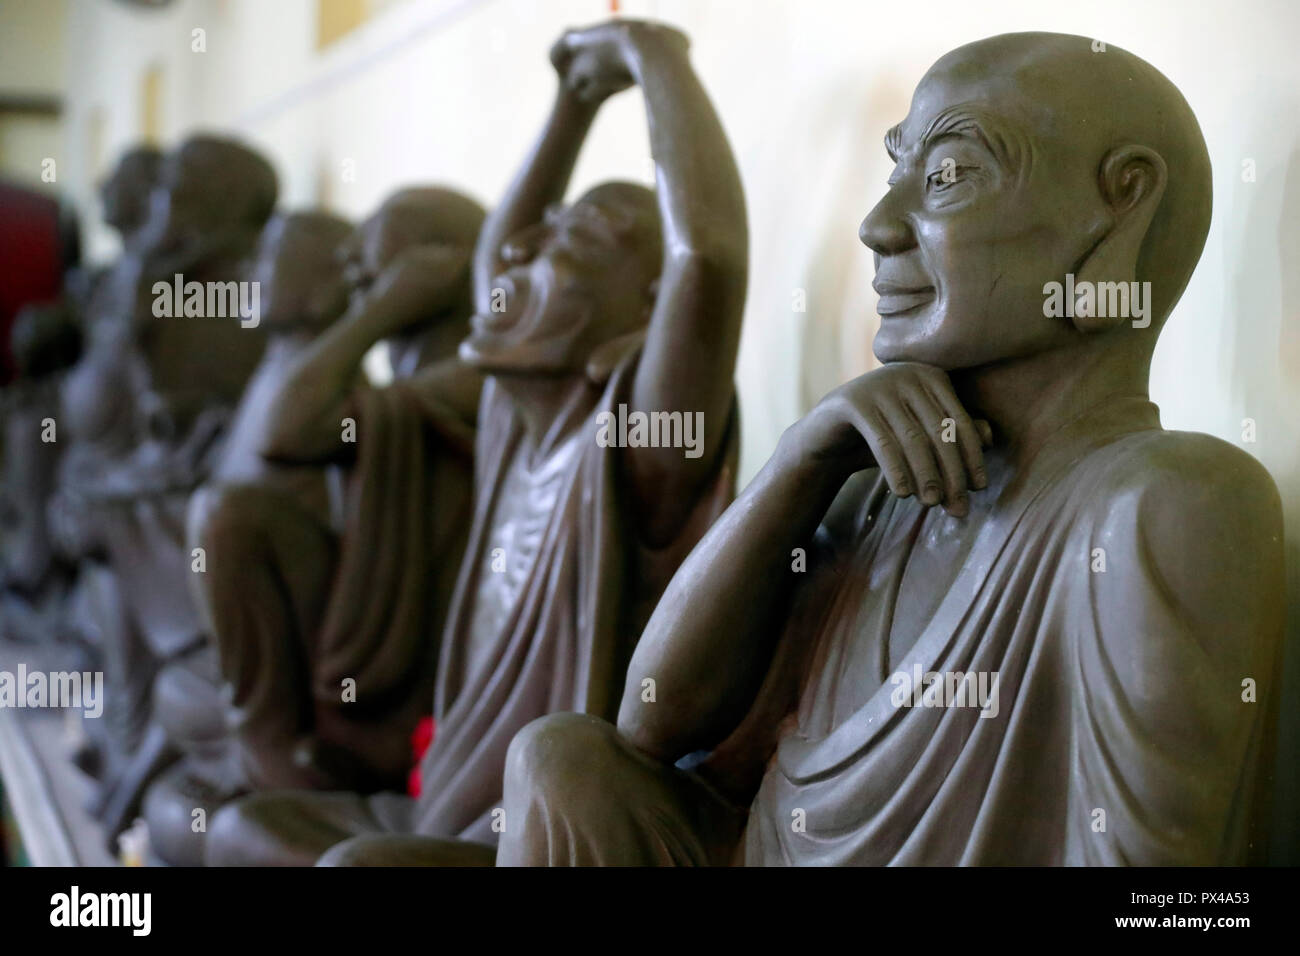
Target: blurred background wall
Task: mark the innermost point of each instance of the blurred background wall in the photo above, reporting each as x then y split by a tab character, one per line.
351	98
33	79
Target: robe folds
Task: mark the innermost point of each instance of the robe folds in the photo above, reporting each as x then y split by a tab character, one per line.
1123	734
403	532
565	642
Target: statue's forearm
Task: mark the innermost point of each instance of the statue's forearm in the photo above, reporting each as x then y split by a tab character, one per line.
307	412
701	293
541	181
700	193
710	641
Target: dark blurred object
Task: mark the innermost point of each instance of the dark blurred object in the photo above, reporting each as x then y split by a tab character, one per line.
44	339
38	242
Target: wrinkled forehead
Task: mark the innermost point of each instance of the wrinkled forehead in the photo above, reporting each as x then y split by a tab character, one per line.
960	99
620	216
627	214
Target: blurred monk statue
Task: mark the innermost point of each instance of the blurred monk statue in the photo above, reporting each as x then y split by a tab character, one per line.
622	308
148	408
335	562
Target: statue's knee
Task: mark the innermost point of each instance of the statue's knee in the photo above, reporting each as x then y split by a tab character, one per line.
559	753
225	831
237	831
188	701
356	851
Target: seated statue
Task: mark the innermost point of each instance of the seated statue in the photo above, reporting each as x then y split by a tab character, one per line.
624	303
46	342
295	592
1073	659
301	292
96	416
127	503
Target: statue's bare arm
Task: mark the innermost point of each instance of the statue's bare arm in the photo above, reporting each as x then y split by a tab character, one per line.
710	641
540	182
694	330
306	424
1189	616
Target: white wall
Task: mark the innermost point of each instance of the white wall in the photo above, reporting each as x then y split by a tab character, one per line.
454	90
31	64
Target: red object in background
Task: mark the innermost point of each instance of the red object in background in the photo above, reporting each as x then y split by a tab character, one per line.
31	266
421	737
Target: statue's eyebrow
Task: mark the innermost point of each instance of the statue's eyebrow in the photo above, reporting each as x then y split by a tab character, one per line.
1006	147
894	141
980	126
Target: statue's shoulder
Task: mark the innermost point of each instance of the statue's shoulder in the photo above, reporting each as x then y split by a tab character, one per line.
1193	526
1188	468
1190	501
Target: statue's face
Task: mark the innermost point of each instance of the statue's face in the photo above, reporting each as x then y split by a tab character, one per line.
125	197
986	204
372	247
572	282
294	272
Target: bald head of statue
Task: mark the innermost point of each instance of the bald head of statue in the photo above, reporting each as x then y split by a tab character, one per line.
208	185
125	193
415	216
1024	159
301	285
582	278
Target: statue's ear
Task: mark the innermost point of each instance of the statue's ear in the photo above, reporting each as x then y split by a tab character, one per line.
1132	180
607	356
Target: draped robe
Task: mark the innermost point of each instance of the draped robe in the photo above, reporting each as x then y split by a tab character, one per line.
1125	590
565	642
1122	735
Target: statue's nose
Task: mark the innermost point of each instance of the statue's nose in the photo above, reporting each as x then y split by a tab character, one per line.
885	230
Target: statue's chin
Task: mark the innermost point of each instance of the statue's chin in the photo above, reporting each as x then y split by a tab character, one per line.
496	356
889	350
915	336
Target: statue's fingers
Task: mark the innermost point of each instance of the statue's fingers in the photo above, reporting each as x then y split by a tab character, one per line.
935	423
918	451
970	440
886	450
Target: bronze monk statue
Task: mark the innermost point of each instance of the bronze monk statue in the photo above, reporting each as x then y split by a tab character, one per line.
301	293
295	592
979	607
97	424
125	501
626	300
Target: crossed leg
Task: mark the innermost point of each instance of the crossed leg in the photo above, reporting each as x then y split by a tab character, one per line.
578	794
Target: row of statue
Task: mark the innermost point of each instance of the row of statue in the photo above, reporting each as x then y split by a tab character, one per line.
281	567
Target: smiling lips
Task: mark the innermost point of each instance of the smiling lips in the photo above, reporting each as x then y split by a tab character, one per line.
898	300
